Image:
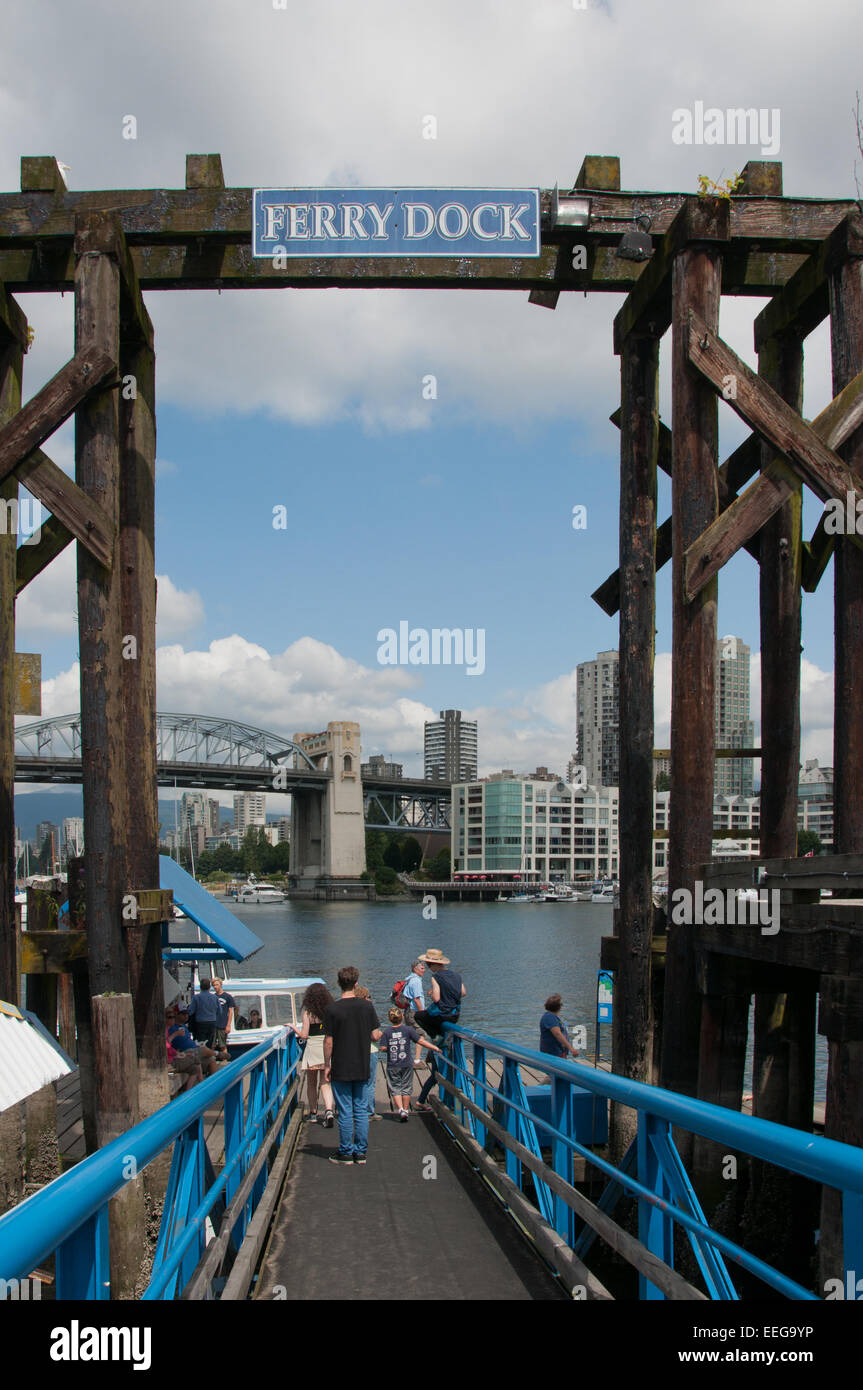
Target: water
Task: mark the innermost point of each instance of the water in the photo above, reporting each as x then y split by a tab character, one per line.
511	957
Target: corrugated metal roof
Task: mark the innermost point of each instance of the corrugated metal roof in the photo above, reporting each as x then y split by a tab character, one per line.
28	1058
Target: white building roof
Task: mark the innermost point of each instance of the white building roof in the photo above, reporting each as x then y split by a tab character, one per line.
28	1057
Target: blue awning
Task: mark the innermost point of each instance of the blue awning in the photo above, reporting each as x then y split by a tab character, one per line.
233	940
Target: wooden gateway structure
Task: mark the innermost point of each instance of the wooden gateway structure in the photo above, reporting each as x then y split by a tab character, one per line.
807	255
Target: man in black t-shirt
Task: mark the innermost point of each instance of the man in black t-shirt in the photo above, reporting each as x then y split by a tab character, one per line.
350	1027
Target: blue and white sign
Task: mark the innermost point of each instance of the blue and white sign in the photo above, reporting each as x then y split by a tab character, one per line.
396	222
604	996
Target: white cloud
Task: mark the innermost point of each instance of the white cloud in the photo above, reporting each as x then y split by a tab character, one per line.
49	604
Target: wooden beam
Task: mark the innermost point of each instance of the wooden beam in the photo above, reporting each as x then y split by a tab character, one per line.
204	171
51	952
768	415
738	468
696	292
761	178
77	513
46	411
13	321
778	482
33	559
28	683
41	174
816	556
596	172
804	301
639	449
12	345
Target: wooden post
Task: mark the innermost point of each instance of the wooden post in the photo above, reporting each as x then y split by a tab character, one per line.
137	550
115	1077
696	286
844	1112
13	337
639	445
97	457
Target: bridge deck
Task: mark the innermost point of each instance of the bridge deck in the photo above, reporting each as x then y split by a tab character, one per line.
384	1232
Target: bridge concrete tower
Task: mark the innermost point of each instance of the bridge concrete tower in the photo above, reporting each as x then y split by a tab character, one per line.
328	840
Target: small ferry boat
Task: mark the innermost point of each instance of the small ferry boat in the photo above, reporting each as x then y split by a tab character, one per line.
255	892
604	892
262	1007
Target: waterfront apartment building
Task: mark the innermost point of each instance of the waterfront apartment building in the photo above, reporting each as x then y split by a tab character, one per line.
450	748
598	719
250	808
194	809
733	727
547	830
44	830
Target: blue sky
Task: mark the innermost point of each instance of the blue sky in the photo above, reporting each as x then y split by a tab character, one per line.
454	512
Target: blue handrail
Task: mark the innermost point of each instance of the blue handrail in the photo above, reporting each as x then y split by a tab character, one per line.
69	1215
662	1187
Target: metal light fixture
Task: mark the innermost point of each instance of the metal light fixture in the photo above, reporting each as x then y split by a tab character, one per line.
636	245
569	211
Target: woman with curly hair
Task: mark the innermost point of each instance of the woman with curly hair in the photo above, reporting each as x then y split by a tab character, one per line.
316	1001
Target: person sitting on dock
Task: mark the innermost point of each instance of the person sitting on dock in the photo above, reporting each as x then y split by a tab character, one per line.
396	1039
186	1057
447	991
553	1032
350	1024
204	1014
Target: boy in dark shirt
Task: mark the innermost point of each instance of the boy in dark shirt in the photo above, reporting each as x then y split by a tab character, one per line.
350	1027
396	1040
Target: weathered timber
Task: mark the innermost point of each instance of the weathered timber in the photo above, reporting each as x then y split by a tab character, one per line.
72	508
783	1076
696	288
41	173
639	447
115	1066
33	559
13	336
767	414
777	484
761	178
647	308
844	1110
804	301
41	416
599	172
51	952
204	171
138	599
28	682
738	468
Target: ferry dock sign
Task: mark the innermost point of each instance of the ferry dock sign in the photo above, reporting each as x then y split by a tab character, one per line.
396	222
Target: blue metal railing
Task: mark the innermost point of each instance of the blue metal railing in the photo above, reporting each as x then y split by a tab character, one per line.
69	1217
652	1171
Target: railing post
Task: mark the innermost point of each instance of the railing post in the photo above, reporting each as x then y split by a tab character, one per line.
655	1228
480	1094
508	1086
82	1264
234	1135
561	1154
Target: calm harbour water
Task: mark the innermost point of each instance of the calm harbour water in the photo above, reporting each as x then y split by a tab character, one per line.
511	956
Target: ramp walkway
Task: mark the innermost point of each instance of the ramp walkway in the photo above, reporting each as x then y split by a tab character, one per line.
385	1231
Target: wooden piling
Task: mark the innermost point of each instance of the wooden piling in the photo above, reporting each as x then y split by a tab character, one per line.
696	287
13	338
97	458
844	1110
639	444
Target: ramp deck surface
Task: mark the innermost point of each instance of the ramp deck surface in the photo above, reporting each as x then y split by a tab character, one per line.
383	1231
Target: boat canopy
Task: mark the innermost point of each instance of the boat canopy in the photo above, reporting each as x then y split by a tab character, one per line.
232	939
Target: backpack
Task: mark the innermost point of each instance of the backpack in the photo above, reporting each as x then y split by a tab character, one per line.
398	996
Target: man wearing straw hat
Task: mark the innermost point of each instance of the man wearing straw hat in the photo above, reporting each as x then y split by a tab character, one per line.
446	991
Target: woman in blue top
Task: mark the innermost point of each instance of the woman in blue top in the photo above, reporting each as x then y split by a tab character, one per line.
553	1032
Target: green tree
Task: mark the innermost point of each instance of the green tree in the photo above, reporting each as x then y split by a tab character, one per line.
439	867
663	782
807	840
252	849
412	853
376	842
393	854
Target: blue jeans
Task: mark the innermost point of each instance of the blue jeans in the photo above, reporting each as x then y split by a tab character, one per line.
370	1085
353	1112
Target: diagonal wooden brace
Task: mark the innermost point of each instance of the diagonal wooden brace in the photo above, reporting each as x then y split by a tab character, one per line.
31	560
41	416
71	506
808	449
